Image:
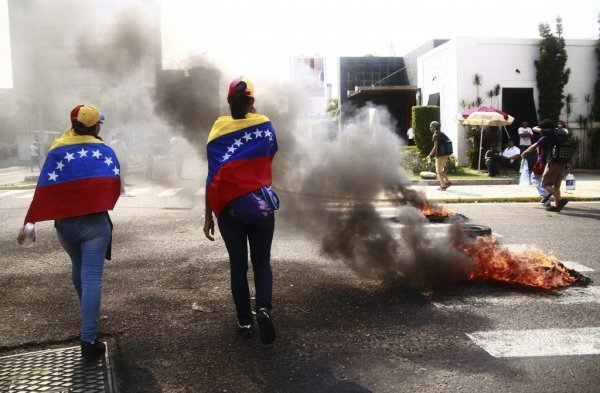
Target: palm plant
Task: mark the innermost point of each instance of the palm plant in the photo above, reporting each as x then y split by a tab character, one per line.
477	80
570	100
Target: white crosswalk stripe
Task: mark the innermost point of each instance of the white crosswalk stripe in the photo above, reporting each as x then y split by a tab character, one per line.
138	191
29	195
169	192
12	192
539	342
566	296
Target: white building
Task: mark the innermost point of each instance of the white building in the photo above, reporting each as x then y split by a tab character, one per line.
448	71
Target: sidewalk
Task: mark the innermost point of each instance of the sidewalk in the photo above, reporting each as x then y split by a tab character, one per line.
587	187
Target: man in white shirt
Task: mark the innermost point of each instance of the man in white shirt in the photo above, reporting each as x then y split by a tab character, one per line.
511	156
525	135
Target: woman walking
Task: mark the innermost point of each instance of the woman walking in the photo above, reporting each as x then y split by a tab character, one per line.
240	151
79	182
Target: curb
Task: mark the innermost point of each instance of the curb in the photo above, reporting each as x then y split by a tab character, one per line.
504	199
18	186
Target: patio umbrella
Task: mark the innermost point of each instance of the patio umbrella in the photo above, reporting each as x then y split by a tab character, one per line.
484	116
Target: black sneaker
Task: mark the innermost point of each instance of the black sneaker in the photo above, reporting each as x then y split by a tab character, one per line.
92	350
265	324
245	331
561	204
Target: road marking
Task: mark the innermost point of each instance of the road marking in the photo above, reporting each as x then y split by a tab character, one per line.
539	342
170	192
9	173
28	195
576	266
569	264
139	191
565	296
13	192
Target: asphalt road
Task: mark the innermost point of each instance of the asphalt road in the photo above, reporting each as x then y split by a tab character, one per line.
337	331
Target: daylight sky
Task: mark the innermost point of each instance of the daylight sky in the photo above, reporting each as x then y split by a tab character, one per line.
273	30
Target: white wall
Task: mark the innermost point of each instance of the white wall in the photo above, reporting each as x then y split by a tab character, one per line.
496	60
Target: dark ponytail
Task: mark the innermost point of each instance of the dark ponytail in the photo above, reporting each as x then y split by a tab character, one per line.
240	103
80	129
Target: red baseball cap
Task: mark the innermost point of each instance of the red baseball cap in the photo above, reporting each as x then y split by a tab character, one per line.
234	84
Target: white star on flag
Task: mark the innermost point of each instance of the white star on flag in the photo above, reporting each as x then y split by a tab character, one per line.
238	142
53	176
69	157
226	156
82	152
268	133
108	161
116	171
257	133
60	165
247	136
231	149
96	154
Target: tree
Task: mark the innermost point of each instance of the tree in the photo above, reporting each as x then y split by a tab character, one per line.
551	75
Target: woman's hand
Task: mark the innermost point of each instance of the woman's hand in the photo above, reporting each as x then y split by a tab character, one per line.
21	235
209	228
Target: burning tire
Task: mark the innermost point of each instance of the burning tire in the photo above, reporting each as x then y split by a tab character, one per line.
474	230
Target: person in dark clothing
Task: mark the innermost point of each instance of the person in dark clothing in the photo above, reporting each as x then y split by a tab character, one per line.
555	167
240	151
491	160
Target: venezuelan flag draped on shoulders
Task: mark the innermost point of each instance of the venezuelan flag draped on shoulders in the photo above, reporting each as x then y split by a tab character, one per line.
80	176
240	153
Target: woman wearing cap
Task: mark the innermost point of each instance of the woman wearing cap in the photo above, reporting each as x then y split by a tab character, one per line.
240	151
79	182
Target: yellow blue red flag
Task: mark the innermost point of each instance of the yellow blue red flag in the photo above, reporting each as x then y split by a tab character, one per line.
239	153
81	175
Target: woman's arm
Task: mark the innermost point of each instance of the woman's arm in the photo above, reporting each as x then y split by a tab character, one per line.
209	223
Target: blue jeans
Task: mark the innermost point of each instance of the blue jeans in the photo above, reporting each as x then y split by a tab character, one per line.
85	239
237	236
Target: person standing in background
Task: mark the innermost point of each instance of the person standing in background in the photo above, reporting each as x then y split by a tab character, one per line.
525	140
34	155
178	151
410	134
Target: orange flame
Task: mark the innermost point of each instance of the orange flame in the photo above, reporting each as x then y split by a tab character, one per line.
530	268
435	211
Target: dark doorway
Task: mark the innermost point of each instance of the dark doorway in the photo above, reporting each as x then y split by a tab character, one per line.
434	99
519	103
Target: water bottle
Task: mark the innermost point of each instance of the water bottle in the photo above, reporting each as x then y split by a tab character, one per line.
570	181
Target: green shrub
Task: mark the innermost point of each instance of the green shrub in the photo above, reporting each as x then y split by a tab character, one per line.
415	162
421	117
594	147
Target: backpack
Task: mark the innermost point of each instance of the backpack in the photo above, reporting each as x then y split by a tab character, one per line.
563	149
444	145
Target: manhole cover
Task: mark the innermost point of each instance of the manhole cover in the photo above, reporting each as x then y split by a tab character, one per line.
55	371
